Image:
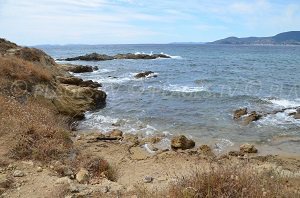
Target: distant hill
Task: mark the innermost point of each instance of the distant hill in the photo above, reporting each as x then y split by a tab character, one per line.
286	38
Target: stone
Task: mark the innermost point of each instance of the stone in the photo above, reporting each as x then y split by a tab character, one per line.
181	142
63	180
248	148
82	176
116	133
131	139
74	189
251	118
206	150
18	173
239	113
235	153
39	169
144	74
148	179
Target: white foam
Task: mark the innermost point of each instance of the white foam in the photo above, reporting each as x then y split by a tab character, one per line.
151	53
285	103
184	89
222	144
117	80
282	119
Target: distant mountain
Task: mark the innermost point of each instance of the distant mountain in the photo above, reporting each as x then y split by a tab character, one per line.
190	43
286	38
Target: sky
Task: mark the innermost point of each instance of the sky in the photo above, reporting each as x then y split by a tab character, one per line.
33	22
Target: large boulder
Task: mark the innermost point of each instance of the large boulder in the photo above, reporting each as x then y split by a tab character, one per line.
182	142
74	100
248	148
78	82
239	113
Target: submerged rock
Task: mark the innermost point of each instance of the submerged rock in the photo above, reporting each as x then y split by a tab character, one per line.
239	113
145	74
248	148
181	142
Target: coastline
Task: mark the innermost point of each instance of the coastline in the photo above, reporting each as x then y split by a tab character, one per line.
132	163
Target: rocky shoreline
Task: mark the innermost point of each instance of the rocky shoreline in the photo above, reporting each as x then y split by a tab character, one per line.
113	164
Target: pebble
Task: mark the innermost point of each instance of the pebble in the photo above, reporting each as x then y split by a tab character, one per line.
39	169
148	179
18	173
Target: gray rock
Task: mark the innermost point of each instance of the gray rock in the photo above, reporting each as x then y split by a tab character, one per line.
18	173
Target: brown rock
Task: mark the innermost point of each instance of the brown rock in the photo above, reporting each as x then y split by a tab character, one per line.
206	150
144	74
181	142
248	148
251	118
82	176
131	139
239	113
116	133
236	153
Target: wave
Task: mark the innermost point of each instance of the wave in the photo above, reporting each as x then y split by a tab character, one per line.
285	103
184	88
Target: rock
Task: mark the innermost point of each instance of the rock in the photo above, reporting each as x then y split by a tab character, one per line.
239	113
206	150
82	176
91	57
116	133
74	100
297	115
140	56
181	142
103	57
18	173
81	69
74	189
148	179
78	82
39	169
251	118
235	153
63	180
131	139
248	148
144	74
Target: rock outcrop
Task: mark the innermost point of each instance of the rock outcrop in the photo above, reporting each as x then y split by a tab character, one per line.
103	57
78	68
253	116
145	74
78	82
182	142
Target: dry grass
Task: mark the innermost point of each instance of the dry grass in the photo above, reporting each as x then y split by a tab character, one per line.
232	181
229	181
33	130
97	167
17	69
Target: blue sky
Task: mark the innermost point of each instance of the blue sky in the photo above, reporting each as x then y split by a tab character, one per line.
31	22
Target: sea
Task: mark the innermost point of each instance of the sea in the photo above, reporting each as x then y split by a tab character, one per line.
195	93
